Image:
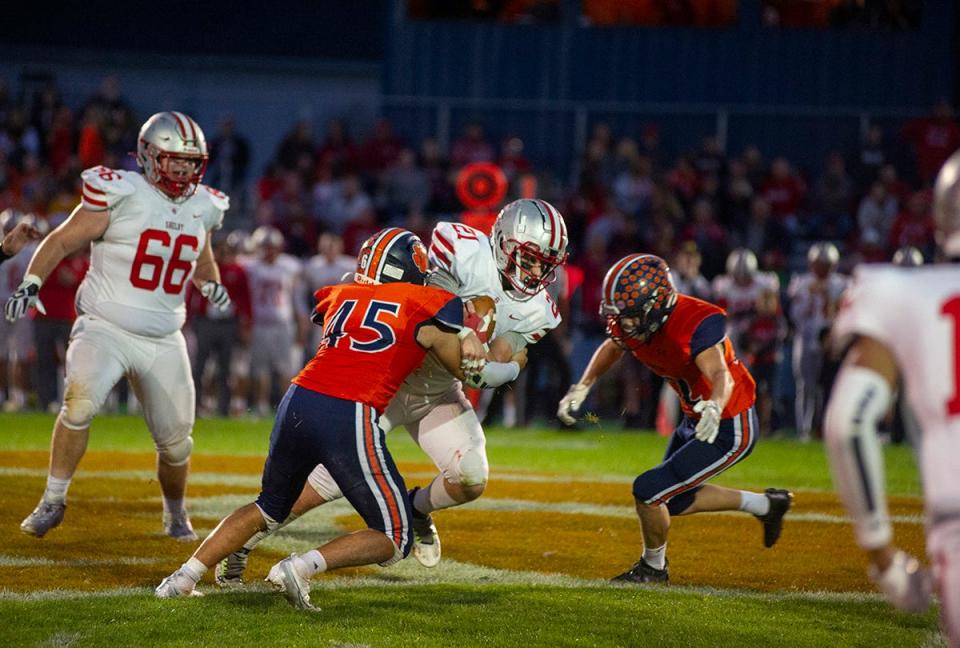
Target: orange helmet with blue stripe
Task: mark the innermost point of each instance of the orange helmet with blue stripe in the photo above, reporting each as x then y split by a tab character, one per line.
392	254
638	297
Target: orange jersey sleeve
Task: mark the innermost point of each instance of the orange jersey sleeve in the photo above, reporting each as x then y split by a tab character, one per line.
369	343
694	326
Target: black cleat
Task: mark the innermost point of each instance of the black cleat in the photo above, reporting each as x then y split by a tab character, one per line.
641	572
780	502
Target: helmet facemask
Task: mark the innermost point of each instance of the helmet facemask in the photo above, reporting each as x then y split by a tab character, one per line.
528	270
175	174
638	297
172	151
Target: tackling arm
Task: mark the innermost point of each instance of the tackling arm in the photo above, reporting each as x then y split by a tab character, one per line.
451	349
603	358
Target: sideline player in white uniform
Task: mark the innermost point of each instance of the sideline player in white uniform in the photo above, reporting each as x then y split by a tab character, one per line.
149	234
903	328
326	268
278	320
513	266
739	292
16	338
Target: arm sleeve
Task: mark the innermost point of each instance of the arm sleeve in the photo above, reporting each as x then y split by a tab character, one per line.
709	332
441	278
103	188
516	340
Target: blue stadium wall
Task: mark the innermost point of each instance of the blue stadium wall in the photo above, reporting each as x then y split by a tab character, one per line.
799	92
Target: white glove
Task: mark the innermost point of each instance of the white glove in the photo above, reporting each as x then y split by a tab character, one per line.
570	404
905	584
709	424
216	294
27	296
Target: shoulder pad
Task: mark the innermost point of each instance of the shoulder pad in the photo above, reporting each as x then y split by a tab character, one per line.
104	187
452	243
219	199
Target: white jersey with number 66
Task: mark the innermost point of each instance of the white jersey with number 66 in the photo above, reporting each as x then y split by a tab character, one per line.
140	267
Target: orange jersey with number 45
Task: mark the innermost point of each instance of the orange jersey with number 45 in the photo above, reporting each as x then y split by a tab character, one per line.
369	340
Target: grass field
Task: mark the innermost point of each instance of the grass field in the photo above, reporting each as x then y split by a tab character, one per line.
526	565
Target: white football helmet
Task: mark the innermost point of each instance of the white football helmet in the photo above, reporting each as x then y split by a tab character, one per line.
528	231
742	265
946	205
265	237
165	139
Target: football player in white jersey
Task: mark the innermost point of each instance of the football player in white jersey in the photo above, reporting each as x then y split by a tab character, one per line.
902	328
16	338
739	291
149	234
512	266
814	300
278	314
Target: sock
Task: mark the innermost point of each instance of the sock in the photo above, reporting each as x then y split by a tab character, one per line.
310	563
174	507
756	503
260	536
433	498
56	492
656	558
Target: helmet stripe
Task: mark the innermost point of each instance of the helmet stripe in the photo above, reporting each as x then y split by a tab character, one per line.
613	276
546	208
193	129
183	130
378	256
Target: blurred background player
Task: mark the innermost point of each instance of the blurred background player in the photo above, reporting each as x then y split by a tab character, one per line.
219	332
814	300
682	339
18	236
326	268
512	266
149	235
377	329
739	291
278	322
902	325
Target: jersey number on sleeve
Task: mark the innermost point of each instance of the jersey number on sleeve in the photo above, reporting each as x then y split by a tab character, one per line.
371	323
951	308
177	269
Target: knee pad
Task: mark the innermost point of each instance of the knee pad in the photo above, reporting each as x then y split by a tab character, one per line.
76	413
321	481
472	468
177	452
399	553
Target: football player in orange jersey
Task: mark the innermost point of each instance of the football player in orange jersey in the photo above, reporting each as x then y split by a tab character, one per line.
375	332
682	339
16	239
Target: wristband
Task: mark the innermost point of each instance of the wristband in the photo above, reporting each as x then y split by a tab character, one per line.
464	332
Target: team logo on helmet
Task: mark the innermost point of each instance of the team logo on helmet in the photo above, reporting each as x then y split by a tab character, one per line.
393	254
638	297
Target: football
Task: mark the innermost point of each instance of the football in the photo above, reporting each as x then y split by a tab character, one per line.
483	320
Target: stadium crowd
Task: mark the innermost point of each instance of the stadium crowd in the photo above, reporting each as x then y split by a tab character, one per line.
768	241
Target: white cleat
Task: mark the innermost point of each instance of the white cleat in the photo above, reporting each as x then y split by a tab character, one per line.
178	527
46	516
168	587
426	540
295	587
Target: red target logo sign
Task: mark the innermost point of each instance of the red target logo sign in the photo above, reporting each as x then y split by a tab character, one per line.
481	186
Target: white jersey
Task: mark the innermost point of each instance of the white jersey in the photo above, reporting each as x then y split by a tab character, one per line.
465	254
319	271
915	313
812	309
140	267
274	289
740	300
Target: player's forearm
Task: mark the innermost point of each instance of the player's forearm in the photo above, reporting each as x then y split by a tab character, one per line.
206	271
51	252
721	383
603	358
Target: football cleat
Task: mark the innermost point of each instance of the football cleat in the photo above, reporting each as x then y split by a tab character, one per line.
641	572
295	587
229	571
46	516
780	502
426	540
178	527
168	587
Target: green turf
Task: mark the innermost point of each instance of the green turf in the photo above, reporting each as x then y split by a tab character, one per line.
781	463
462	616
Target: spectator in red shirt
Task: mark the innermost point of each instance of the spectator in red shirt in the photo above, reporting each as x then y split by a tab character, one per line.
381	149
91	147
933	139
472	146
914	226
784	191
220	332
52	330
338	149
